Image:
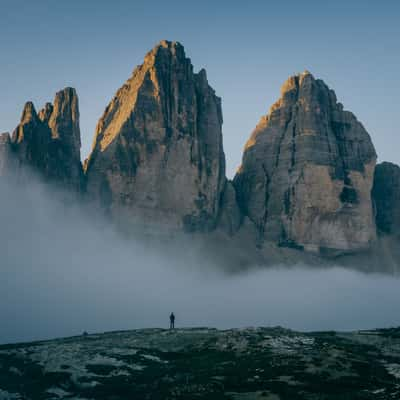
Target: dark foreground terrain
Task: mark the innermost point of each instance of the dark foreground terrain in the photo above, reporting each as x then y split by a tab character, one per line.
261	363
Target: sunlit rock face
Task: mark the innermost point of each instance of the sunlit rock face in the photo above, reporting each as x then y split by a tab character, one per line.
48	143
307	172
157	156
386	197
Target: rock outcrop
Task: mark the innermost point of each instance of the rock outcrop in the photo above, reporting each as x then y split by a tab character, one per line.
307	172
6	156
325	365
230	218
30	143
386	197
157	162
157	156
48	143
65	144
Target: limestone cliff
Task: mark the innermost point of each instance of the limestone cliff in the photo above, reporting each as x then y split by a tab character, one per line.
307	172
157	156
386	197
6	157
157	161
230	218
48	143
30	142
64	146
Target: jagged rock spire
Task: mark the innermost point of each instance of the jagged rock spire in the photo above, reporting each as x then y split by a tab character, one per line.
64	119
386	196
157	154
307	170
45	113
48	143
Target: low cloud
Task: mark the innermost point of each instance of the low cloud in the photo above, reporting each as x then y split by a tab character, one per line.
63	272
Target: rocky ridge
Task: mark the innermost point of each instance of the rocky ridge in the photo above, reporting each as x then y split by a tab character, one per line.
47	143
203	363
158	163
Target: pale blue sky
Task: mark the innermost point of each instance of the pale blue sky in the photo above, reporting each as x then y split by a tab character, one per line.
248	49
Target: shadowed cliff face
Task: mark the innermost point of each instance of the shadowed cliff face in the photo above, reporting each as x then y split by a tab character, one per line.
47	144
157	154
6	157
386	196
307	172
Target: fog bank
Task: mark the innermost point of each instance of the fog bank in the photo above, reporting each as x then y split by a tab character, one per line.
61	273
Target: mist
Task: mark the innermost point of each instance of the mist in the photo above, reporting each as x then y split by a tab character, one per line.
64	271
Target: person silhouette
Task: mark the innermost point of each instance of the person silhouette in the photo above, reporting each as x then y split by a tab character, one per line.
172	321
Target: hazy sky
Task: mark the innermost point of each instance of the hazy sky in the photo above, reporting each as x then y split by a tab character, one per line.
248	49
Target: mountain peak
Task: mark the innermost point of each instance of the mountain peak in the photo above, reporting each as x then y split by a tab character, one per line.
167	45
28	113
49	142
295	82
158	154
45	112
64	120
315	162
306	72
163	51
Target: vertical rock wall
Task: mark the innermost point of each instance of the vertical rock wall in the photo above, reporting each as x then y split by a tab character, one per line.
157	155
47	143
307	172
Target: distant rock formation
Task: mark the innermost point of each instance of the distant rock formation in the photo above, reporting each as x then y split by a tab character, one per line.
47	144
30	141
6	157
307	172
386	197
158	165
157	155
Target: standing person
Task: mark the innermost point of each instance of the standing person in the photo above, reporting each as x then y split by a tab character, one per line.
172	321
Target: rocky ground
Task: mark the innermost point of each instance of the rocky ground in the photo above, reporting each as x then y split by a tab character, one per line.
202	363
